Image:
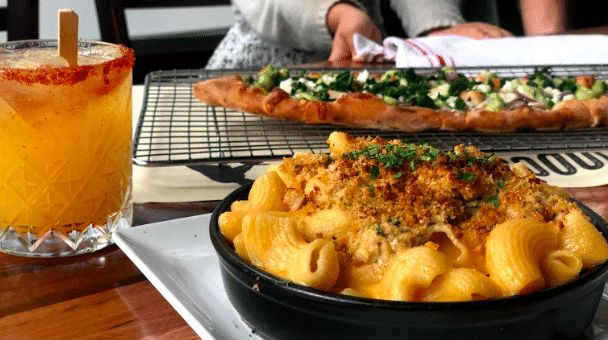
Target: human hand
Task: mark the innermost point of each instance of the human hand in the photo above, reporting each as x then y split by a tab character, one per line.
477	30
343	21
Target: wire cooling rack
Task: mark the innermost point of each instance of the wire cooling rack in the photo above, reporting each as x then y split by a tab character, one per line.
175	128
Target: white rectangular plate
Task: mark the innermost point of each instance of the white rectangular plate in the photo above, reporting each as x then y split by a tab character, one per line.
179	260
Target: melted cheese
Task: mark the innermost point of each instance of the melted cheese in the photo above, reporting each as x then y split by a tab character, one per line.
396	206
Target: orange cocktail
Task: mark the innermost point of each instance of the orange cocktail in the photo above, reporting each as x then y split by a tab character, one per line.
65	147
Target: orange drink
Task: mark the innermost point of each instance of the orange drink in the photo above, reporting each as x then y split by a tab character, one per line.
65	147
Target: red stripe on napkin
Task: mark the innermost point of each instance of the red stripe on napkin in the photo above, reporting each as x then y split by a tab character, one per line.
420	50
439	57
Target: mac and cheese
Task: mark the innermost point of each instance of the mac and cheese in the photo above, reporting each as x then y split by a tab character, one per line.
399	221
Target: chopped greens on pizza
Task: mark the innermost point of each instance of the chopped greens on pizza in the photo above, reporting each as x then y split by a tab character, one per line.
406	100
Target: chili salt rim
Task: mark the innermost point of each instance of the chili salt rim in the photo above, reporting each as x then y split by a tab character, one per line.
47	75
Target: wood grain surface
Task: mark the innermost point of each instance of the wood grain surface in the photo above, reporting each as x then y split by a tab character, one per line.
104	296
93	296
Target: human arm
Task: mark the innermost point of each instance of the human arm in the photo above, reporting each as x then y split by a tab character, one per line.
441	17
312	25
419	17
343	21
477	30
294	24
543	16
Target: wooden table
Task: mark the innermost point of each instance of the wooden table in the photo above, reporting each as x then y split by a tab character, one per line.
104	296
94	296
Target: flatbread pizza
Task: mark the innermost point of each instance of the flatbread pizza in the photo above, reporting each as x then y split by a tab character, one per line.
406	100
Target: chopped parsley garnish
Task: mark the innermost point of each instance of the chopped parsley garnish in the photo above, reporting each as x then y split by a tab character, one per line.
494	201
413	164
374	172
370	188
370	151
500	183
405	153
474	159
390	160
466	176
430	154
394	155
394	221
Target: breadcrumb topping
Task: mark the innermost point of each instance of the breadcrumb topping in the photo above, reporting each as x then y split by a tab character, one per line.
398	194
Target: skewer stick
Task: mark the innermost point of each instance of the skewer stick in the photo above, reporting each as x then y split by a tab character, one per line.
68	36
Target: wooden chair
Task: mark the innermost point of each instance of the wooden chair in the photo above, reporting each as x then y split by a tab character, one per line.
154	52
20	19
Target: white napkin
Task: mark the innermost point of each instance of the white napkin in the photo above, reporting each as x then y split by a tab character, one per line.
451	50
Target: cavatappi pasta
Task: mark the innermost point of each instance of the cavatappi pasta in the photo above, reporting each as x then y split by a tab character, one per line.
399	221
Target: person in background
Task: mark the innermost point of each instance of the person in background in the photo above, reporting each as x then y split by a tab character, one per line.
285	33
542	17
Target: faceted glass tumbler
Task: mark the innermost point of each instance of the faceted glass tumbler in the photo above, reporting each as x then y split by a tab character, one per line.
65	147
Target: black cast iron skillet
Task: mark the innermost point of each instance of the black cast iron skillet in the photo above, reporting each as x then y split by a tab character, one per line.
277	309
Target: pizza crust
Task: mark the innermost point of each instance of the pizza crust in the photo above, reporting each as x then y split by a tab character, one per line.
366	110
598	108
570	114
231	92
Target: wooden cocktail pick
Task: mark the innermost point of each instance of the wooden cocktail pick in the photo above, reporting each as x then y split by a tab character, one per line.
68	36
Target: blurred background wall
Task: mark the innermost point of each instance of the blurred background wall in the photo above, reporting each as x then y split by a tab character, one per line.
141	22
145	25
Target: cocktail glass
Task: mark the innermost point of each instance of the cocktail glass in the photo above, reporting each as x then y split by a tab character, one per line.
65	147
